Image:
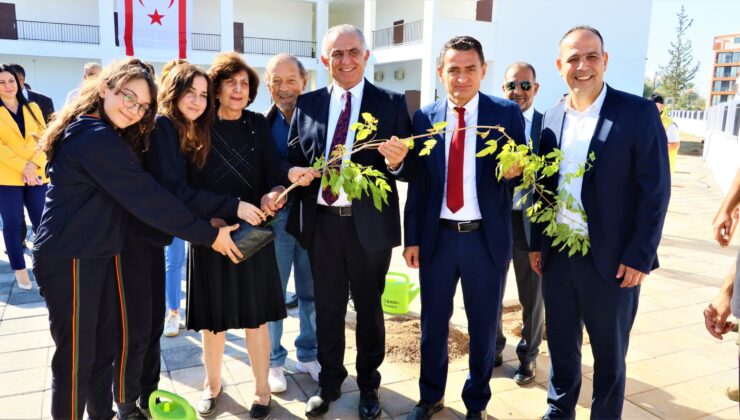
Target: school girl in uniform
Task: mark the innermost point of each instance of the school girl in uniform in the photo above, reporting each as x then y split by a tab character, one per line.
95	182
22	179
181	137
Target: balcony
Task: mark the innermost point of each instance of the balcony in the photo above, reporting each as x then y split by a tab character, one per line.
271	46
405	33
49	31
252	45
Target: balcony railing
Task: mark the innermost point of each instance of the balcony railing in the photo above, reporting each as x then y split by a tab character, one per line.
205	42
271	46
399	34
49	31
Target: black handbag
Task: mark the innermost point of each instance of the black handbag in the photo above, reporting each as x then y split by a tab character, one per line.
250	239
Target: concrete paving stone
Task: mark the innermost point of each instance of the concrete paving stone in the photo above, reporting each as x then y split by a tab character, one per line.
25	341
23	381
729	413
192	379
691	399
293	394
629	411
239	370
724	352
309	386
23	359
389	374
666	342
183	339
26	406
25	310
19	325
183	357
400	397
674	368
230	403
520	403
6	286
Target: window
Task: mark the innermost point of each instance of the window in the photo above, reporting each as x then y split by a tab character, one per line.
724	86
726	71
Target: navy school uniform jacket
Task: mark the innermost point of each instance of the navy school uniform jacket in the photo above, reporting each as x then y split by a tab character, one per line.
96	181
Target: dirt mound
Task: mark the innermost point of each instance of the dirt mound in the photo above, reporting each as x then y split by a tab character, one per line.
402	338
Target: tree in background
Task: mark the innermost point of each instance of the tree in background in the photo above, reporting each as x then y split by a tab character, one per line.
690	100
680	71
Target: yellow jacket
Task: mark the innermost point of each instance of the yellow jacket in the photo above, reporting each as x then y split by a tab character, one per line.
16	151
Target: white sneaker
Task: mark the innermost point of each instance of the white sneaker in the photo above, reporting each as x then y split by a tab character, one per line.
172	325
312	367
276	379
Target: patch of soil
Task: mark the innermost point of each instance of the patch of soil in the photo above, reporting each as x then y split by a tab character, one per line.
690	145
402	339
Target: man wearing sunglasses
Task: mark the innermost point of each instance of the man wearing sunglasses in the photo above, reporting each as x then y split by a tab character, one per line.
520	85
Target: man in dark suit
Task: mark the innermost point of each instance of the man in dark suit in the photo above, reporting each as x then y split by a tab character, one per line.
625	197
44	102
349	243
457	225
520	85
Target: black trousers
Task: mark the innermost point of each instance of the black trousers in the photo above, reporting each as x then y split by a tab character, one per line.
82	296
339	265
529	287
137	362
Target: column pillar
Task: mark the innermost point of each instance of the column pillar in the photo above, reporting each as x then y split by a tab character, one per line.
430	52
108	51
321	25
226	10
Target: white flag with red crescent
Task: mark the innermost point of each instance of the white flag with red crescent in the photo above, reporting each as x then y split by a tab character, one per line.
162	25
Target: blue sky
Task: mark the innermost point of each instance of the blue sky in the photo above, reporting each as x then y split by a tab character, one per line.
711	18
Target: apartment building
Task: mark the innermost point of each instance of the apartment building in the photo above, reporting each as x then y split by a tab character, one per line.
53	39
726	68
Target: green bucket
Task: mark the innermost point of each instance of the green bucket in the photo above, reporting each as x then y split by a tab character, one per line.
399	293
170	407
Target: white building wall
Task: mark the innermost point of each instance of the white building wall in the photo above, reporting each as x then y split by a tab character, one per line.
84	12
352	14
411	79
512	41
459	9
206	17
389	11
277	19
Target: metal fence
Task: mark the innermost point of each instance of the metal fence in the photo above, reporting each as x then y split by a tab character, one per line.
271	46
49	31
205	42
399	34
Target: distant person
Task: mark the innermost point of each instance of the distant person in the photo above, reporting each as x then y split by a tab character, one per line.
520	85
91	69
44	102
671	130
22	178
286	79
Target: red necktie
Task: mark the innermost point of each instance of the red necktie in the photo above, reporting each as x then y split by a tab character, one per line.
455	164
340	137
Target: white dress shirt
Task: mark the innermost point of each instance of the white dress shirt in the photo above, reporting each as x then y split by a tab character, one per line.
578	129
336	105
528	116
470	209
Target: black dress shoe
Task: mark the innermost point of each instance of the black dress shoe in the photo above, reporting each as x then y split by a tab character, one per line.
425	410
318	405
475	415
259	411
206	406
369	405
498	361
525	374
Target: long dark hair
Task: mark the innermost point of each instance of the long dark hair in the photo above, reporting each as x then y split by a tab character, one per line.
195	136
22	101
113	76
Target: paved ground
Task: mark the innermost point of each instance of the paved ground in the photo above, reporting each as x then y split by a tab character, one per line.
675	369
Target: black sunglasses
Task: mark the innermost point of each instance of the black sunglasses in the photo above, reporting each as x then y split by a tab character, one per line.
525	85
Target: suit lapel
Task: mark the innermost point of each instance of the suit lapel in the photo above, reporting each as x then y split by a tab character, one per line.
438	151
369	104
8	120
485	117
322	105
607	116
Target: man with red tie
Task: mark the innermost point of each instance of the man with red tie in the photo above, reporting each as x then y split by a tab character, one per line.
458	225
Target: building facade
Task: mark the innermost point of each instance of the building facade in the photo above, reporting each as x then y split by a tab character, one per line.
725	68
53	39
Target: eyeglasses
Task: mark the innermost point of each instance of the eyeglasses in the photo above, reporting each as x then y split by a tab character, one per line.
130	102
525	85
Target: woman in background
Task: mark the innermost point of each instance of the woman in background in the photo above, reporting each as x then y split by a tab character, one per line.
22	179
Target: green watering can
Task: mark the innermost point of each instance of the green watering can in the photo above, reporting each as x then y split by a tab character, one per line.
170	407
399	293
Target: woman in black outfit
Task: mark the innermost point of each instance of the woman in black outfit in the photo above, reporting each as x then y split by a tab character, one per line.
222	295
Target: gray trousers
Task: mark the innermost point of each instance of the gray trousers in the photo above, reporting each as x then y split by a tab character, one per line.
529	286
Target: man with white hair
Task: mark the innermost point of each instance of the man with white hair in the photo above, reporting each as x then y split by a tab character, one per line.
90	70
349	242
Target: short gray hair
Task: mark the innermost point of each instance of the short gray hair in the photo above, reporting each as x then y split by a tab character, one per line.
92	65
284	57
522	65
334	32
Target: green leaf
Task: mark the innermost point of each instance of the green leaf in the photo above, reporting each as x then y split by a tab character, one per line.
430	143
368	117
356	126
439	126
484	134
362	134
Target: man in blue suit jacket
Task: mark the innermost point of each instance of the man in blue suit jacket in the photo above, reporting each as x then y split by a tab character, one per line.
458	225
625	197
